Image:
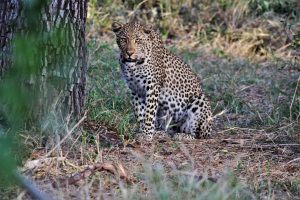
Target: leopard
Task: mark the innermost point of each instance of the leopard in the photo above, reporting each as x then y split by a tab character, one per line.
167	94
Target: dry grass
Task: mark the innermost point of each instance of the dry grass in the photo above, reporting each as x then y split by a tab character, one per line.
246	165
248	29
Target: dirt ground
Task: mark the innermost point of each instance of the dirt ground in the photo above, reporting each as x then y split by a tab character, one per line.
255	157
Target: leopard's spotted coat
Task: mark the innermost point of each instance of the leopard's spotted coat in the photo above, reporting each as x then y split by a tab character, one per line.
165	90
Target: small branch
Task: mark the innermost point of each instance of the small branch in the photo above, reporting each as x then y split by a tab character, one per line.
281	145
241	142
31	164
294	160
220	114
257	146
240	129
90	170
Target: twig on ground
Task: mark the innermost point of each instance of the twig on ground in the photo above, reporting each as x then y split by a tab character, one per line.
118	170
31	164
67	162
239	128
269	146
286	126
220	114
294	160
241	142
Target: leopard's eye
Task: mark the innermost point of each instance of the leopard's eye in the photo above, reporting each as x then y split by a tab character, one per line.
123	40
138	39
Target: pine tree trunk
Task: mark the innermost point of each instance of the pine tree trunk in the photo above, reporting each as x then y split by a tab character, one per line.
59	54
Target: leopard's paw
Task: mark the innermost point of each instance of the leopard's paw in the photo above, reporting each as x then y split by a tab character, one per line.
144	137
183	137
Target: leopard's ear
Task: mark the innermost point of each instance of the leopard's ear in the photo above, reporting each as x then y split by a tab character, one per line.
116	27
147	28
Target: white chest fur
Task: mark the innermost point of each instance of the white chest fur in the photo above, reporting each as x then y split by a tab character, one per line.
134	77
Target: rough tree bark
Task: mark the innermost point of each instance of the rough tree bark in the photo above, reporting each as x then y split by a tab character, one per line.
8	17
70	62
62	56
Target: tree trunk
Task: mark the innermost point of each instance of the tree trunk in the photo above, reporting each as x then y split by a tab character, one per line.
68	19
8	16
49	54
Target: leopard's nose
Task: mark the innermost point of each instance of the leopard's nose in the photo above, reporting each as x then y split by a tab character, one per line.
130	52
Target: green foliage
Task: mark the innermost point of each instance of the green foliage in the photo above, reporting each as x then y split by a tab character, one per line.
256	99
22	89
108	101
253	96
16	95
7	164
287	7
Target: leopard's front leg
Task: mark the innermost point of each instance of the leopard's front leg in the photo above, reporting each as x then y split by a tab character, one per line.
152	94
139	109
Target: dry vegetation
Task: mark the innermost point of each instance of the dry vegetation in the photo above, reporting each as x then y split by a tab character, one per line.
247	54
255	29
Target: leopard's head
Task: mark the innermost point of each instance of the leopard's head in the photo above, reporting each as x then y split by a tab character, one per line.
135	40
